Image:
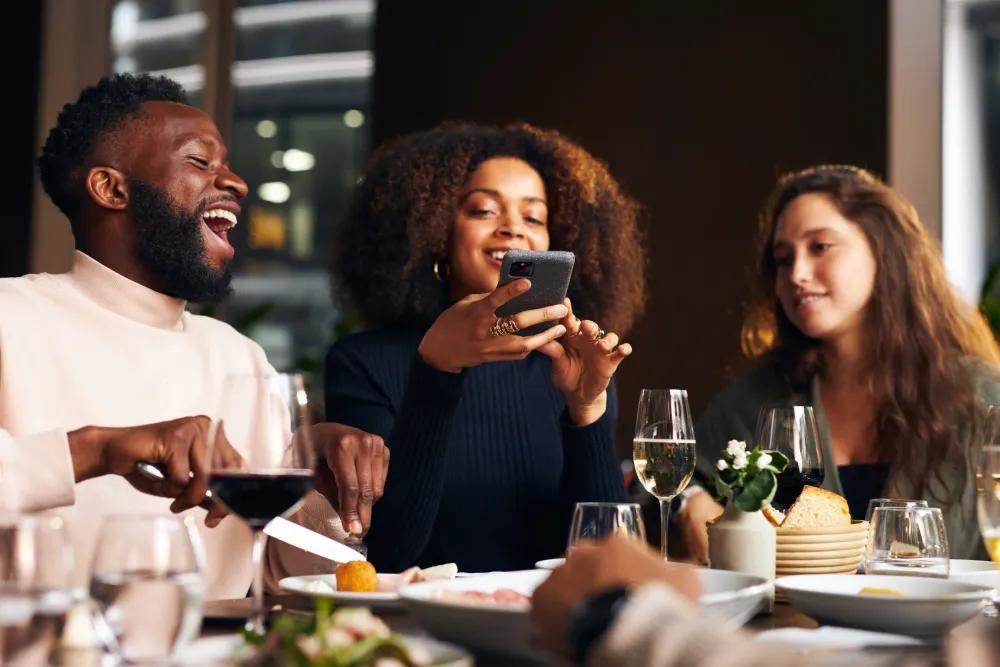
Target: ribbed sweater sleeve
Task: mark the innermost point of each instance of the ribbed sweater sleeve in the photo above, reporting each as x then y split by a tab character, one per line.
590	465
417	437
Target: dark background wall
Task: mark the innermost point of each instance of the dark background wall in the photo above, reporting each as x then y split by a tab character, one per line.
695	106
20	49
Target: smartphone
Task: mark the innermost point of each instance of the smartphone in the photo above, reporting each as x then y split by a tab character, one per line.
549	273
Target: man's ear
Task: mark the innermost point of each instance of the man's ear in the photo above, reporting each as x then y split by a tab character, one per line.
107	187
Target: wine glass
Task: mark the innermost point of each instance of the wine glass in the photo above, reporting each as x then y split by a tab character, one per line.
791	430
595	521
988	472
36	566
148	584
266	419
663	449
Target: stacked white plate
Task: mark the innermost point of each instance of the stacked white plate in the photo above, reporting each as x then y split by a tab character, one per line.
820	550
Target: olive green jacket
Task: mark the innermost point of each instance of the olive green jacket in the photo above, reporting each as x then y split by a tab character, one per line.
732	415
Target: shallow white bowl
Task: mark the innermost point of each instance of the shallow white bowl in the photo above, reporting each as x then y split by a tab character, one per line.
731	597
928	607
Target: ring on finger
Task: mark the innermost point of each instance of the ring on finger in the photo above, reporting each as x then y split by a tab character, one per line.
599	334
504	326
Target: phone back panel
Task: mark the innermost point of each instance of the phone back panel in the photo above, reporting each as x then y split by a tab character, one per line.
550	273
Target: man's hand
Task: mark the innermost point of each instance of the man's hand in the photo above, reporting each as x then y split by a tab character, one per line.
351	472
699	509
591	569
179	447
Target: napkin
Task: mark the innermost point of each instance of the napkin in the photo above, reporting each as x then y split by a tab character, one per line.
828	636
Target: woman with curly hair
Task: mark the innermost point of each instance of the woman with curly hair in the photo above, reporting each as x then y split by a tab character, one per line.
856	317
488	459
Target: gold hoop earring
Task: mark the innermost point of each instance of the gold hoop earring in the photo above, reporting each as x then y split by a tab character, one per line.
441	271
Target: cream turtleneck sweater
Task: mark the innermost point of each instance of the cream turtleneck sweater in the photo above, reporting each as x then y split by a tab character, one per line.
91	347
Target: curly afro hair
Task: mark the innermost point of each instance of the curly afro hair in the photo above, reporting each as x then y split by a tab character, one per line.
401	214
99	110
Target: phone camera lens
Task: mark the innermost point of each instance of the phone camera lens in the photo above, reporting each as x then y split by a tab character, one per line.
522	269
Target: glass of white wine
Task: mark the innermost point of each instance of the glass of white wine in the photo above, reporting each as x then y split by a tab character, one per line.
663	448
989	499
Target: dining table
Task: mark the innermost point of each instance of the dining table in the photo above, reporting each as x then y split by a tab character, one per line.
226	616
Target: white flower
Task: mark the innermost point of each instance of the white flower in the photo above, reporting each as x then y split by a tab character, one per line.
764	460
722	465
740	461
735	447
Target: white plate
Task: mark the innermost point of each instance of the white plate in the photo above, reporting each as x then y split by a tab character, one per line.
550	563
962	567
730	597
220	650
325	586
928	607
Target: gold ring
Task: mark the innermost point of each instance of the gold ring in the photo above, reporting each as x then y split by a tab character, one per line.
600	334
504	326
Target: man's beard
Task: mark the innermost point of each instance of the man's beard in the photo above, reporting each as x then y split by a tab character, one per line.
171	247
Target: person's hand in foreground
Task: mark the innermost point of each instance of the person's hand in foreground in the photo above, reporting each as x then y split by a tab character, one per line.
351	472
179	447
595	568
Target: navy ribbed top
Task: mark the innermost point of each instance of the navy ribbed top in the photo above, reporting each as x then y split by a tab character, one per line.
485	465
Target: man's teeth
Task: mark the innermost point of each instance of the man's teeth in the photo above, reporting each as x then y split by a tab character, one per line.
222	213
498	254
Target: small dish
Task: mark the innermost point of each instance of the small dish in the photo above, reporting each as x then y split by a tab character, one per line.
924	607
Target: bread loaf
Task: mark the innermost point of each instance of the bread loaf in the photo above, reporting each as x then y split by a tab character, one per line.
817	508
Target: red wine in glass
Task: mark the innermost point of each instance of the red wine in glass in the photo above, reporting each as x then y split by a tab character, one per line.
258	497
790	485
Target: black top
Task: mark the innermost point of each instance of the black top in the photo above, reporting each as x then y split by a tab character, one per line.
485	466
862	482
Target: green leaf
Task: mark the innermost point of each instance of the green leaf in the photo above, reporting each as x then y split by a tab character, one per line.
721	488
757	489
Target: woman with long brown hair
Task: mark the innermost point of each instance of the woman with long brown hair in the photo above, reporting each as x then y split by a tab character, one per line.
856	317
493	436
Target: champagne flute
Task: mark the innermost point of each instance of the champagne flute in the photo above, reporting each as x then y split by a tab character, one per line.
989	499
791	430
266	419
663	449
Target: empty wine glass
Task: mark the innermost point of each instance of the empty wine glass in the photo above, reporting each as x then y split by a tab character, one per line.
147	582
791	430
907	540
266	419
36	566
663	449
595	521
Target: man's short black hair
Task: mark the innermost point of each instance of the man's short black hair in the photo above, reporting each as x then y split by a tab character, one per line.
98	111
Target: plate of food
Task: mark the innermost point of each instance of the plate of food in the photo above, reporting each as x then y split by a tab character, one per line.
918	606
357	583
341	637
491	613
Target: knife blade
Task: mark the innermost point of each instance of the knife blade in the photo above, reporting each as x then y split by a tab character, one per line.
311	541
279	528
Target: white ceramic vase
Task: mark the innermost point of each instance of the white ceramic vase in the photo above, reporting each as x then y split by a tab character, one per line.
742	542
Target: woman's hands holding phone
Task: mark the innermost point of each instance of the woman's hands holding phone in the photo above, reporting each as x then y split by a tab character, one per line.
583	363
461	336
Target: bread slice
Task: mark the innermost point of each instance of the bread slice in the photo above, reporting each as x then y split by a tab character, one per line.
817	508
775	516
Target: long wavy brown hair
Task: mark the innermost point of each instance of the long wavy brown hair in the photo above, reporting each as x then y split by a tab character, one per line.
921	336
401	215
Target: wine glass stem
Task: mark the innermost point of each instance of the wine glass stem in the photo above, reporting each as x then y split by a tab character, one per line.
664	524
255	622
